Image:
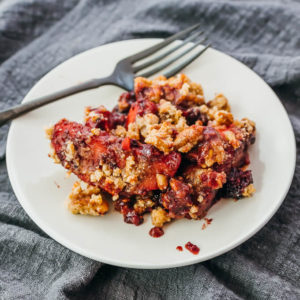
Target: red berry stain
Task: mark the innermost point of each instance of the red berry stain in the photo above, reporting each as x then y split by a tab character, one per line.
57	185
156	232
192	248
208	221
179	248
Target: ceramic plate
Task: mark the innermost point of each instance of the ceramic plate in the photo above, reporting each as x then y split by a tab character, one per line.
42	187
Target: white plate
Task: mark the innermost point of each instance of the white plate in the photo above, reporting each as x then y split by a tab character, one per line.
108	239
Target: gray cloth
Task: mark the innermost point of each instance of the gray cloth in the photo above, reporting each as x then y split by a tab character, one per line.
36	35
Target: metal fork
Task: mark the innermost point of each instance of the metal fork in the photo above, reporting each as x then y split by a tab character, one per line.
126	70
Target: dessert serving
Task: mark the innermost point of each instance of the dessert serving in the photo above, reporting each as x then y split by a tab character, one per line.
162	150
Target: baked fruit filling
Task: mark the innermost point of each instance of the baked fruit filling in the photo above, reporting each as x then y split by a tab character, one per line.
162	150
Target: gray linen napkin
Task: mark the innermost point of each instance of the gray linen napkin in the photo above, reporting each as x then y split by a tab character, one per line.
36	35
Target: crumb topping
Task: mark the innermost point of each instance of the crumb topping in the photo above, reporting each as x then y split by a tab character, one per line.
145	123
133	131
120	131
168	112
188	138
249	190
162	150
161	136
220	102
159	217
87	200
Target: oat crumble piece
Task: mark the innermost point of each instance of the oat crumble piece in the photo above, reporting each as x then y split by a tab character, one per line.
220	102
248	190
120	131
231	138
129	174
87	200
95	131
91	114
168	112
142	204
133	131
188	138
193	212
161	136
145	123
159	217
215	155
223	117
248	125
96	175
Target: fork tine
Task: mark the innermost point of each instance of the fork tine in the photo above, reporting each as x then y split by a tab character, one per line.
169	61
165	54
151	50
178	68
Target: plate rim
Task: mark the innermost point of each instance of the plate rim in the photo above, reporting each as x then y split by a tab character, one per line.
184	262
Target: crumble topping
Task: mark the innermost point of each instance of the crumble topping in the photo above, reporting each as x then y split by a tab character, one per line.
142	204
178	89
220	102
95	131
161	136
96	176
130	175
159	217
215	154
193	212
145	123
110	176
87	200
247	125
249	190
133	131
162	150
223	117
232	140
188	138
168	112
93	115
120	131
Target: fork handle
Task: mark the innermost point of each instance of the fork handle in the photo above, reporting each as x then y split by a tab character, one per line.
16	111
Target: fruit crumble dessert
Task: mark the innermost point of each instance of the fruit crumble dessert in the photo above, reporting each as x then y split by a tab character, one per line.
162	150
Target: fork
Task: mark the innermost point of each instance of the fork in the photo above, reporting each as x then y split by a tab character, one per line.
126	70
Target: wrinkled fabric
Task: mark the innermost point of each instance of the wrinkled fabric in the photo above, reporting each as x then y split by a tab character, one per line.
36	35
